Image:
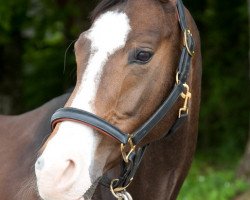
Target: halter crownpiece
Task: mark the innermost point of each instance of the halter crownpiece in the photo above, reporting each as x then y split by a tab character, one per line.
133	156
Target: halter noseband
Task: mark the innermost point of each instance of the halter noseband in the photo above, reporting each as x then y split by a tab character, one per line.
133	156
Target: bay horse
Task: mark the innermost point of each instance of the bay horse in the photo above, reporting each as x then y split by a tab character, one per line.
137	66
136	69
21	137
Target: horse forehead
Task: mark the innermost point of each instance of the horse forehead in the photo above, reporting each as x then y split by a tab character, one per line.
107	35
109	32
145	13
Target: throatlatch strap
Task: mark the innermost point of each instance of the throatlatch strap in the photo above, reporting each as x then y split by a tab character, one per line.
138	135
182	16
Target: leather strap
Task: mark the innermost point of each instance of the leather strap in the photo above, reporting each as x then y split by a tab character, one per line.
95	122
145	129
128	170
181	14
135	157
105	127
89	119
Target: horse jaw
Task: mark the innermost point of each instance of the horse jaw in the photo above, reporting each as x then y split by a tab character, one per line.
65	169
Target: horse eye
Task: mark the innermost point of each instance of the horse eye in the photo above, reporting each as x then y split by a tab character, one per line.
143	56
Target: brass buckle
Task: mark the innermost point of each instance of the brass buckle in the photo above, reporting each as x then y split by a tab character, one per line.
187	33
186	96
125	154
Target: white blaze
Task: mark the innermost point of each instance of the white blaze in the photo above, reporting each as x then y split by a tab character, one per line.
107	35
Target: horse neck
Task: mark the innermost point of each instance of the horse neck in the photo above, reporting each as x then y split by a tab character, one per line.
163	169
31	128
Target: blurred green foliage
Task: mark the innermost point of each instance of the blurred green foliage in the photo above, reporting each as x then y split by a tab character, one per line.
211	183
34	35
224	116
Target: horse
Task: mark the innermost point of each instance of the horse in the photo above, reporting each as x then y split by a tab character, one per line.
127	66
21	137
137	66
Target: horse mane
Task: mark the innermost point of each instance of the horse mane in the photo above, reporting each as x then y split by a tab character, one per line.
103	6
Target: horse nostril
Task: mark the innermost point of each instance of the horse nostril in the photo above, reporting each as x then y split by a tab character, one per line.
68	171
39	163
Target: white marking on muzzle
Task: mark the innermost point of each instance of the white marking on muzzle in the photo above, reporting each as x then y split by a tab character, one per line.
107	35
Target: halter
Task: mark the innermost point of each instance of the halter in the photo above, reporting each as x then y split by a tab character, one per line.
132	155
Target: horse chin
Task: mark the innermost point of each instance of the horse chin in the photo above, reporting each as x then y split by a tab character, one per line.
79	190
90	192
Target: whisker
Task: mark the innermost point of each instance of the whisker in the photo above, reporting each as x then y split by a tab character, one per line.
65	55
28	189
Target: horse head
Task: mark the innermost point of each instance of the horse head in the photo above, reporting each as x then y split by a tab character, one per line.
126	68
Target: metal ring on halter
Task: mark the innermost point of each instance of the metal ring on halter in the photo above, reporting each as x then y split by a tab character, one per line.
120	193
124	195
187	33
131	149
112	189
177	78
118	189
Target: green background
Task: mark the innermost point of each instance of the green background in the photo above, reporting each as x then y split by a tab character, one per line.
34	36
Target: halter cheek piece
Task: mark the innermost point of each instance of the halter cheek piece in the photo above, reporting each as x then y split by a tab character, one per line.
132	156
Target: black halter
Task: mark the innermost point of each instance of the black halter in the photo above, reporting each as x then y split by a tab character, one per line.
133	157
